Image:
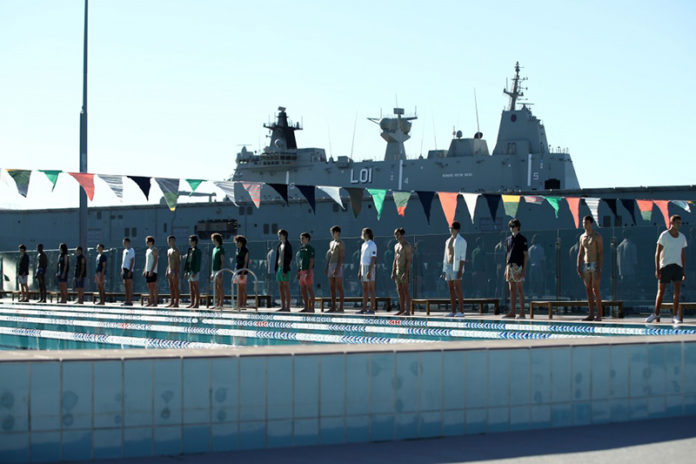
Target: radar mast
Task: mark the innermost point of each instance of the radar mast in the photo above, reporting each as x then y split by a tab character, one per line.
516	91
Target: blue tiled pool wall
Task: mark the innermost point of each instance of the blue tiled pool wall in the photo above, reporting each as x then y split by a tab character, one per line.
74	410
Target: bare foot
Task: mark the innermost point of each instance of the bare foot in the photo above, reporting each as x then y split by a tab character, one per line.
589	318
510	315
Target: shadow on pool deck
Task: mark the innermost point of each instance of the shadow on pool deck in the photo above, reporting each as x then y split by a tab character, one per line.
629	442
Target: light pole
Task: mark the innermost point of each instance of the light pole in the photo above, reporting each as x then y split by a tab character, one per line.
83	142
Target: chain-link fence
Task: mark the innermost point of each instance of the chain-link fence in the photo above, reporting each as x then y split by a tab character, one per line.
627	272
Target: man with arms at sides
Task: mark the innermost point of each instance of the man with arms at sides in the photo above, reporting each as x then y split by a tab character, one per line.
517	257
305	273
62	275
590	254
282	269
150	271
23	274
100	274
40	275
192	269
334	268
173	269
367	271
453	267
80	273
218	260
127	266
670	260
241	262
401	270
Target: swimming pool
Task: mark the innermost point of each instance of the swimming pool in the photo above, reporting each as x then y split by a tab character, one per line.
51	327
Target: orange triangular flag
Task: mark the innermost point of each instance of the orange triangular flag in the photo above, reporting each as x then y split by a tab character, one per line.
86	180
663	206
448	201
574	206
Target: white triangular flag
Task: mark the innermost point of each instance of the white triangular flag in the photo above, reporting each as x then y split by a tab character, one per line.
593	204
227	187
333	192
115	183
470	199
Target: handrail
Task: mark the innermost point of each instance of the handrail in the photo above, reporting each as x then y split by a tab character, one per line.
234	274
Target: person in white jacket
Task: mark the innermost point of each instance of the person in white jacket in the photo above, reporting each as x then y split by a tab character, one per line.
453	267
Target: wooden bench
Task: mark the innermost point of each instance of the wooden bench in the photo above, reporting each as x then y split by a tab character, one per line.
354	299
467	301
569	303
257	299
682	306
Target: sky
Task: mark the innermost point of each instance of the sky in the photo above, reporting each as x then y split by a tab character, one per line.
177	87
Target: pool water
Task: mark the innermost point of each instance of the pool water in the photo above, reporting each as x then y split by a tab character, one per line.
51	327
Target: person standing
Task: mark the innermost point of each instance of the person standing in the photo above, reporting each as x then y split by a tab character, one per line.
241	264
23	274
305	273
40	274
401	270
62	274
173	269
100	274
670	261
150	271
366	272
80	273
453	268
218	261
334	268
192	268
516	265
590	254
282	269
127	266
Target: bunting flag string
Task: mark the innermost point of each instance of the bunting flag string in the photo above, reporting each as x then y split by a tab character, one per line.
378	199
282	190
470	199
115	183
645	207
534	199
254	190
194	184
228	189
170	190
593	205
682	204
356	195
52	176
493	201
143	183
334	193
401	201
426	199
21	178
510	204
574	206
86	181
663	206
611	203
555	203
630	206
309	193
448	201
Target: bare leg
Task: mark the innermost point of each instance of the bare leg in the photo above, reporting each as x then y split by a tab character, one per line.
598	297
175	291
460	294
80	295
332	287
191	295
587	279
407	298
339	287
311	298
675	301
399	292
453	296
242	296
520	292
219	295
373	297
155	292
196	295
364	296
661	287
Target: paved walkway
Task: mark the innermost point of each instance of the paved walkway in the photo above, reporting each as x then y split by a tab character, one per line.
663	441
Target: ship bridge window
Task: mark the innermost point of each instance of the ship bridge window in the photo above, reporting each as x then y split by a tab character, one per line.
134	231
552	184
511	148
274	228
266	229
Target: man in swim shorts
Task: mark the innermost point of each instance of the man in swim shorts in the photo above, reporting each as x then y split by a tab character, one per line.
590	253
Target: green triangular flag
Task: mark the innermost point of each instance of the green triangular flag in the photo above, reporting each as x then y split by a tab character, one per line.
21	178
52	176
554	202
170	191
401	200
194	184
378	198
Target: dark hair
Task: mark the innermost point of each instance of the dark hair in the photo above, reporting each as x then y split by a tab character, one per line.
335	229
79	248
149	239
456	225
306	234
283	232
63	248
514	223
217	238
101	245
400	231
368	233
240	238
22	247
39	247
193	238
588	218
171	237
675	217
126	239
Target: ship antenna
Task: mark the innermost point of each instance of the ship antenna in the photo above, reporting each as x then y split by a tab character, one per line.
328	129
355	126
478	129
434	133
516	91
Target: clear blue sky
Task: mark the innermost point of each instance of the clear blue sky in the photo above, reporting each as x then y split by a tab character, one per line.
176	86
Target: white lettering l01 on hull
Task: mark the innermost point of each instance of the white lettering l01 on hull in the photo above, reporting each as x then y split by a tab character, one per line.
364	176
